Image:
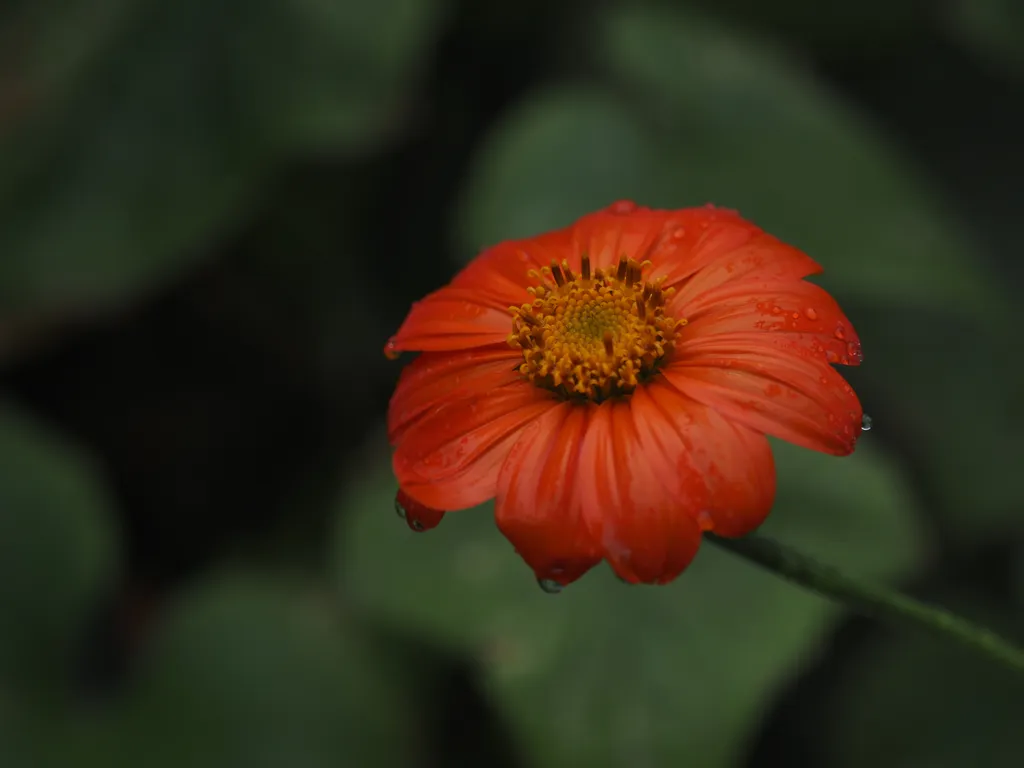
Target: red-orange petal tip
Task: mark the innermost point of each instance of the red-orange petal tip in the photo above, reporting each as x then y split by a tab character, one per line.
419	517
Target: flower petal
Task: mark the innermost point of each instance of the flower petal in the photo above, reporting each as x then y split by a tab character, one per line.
804	313
622	229
500	274
435	378
719	472
537	507
713	246
449	457
771	384
648	535
452	319
418	517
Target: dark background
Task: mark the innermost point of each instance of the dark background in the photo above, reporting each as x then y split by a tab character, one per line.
214	212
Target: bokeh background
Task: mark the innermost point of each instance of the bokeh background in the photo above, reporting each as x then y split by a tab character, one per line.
214	212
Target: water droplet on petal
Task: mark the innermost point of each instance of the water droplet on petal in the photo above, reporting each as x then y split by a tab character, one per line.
391	351
840	334
550	586
810	313
865	423
679	233
418	517
622	207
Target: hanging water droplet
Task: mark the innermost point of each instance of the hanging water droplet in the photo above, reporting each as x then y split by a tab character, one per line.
865	423
418	517
550	586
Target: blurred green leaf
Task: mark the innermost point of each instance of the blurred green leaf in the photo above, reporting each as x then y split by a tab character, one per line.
1017	576
161	125
919	701
994	29
562	154
947	389
57	552
50	737
249	672
609	675
845	27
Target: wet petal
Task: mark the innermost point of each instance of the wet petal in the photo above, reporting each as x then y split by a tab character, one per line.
622	229
771	385
537	507
452	319
648	534
713	246
449	458
418	517
804	313
500	272
436	378
720	473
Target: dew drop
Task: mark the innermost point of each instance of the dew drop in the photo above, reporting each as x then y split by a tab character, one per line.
839	333
810	314
865	423
679	233
418	517
391	350
550	586
622	207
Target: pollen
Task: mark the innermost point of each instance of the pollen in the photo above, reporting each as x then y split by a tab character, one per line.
595	335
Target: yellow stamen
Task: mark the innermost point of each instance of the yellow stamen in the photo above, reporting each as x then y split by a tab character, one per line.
596	335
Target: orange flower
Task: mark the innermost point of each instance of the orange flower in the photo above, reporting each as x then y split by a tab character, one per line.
611	385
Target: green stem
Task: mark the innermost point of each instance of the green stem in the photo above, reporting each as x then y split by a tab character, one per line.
872	599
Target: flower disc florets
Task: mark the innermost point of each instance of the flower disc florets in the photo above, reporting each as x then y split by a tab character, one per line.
593	335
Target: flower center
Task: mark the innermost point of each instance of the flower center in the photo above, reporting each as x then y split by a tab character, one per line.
594	335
